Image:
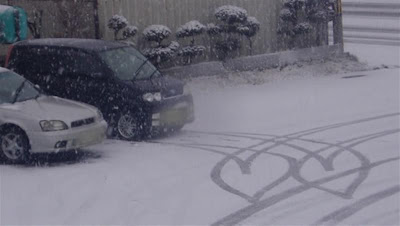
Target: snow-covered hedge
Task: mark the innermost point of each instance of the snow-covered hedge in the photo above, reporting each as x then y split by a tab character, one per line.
213	29
294	4
299	18
302	28
250	27
156	33
231	14
190	29
288	15
192	50
117	22
161	54
233	23
129	31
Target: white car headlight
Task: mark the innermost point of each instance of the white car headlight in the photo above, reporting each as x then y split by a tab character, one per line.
99	116
53	125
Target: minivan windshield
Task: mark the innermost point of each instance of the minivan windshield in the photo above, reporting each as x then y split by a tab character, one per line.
129	64
14	88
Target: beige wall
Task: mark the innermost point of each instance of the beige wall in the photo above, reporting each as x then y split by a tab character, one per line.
174	13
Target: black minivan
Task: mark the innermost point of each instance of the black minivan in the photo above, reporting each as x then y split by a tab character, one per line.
134	97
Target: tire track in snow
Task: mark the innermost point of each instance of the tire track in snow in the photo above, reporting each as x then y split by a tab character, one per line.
295	166
339	215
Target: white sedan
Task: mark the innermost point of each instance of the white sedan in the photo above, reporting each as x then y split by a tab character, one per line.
31	122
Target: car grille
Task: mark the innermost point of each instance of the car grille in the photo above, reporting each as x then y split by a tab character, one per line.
173	92
82	122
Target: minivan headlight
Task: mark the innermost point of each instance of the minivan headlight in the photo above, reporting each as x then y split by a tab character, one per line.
157	97
151	97
53	125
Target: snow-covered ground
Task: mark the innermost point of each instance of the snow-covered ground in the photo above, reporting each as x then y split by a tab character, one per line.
309	144
290	147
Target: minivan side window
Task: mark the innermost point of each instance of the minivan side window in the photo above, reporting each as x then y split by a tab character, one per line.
79	63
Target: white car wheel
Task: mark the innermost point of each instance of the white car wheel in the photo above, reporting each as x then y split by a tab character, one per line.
14	146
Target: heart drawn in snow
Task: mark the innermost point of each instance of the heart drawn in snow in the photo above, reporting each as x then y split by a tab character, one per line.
246	169
328	166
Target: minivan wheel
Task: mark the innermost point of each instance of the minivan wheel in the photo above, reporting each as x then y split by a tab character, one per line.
128	127
14	146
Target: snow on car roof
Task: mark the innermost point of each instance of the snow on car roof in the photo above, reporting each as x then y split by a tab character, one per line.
3	69
3	8
87	44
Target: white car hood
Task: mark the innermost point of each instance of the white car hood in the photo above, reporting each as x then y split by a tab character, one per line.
53	108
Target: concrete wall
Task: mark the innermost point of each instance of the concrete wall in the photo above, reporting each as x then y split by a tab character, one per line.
258	62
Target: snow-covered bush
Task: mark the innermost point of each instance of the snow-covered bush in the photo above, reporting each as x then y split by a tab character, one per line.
302	28
288	15
159	53
294	4
228	45
191	30
117	23
213	29
299	18
129	32
233	24
156	33
249	29
231	14
191	51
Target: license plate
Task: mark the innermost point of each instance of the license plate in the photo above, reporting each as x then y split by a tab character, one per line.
174	117
87	139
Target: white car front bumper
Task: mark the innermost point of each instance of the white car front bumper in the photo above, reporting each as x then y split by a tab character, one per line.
71	139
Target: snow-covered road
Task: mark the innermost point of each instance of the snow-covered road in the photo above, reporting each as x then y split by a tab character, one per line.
298	150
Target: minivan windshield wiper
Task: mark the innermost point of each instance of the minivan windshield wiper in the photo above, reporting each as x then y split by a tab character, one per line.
140	68
151	76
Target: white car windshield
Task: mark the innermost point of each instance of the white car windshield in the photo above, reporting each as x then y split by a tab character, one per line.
14	88
129	64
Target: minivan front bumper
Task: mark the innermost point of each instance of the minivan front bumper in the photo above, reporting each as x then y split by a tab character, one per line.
173	112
